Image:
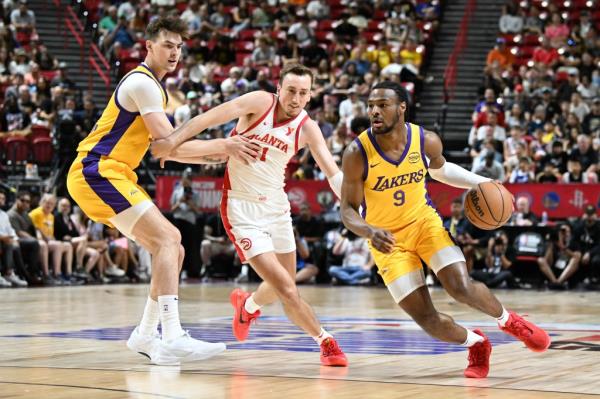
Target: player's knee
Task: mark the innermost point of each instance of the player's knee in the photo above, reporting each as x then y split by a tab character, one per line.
461	290
181	253
288	294
428	321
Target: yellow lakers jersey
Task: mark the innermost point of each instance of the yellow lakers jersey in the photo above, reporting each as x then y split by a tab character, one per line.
120	134
395	192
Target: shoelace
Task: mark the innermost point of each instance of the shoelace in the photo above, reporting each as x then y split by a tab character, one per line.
330	347
519	326
477	355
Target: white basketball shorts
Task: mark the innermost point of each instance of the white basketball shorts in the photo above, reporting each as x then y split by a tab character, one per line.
257	224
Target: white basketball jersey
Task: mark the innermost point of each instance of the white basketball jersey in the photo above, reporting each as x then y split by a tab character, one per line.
279	142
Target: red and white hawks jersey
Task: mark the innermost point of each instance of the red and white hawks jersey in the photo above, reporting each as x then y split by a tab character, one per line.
279	142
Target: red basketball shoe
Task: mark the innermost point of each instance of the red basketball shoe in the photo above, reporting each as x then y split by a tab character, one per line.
241	318
479	358
331	354
532	336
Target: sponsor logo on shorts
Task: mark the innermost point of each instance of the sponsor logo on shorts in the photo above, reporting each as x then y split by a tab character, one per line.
246	243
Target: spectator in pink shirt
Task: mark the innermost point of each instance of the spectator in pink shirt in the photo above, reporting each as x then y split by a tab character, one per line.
557	31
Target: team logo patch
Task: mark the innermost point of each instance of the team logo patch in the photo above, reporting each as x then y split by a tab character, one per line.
414	157
246	243
290	130
133	192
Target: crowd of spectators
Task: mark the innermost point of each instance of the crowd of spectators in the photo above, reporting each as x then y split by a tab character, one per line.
539	121
41	244
43	114
539	118
235	47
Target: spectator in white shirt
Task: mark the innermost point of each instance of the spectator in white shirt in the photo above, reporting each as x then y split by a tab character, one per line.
346	110
357	261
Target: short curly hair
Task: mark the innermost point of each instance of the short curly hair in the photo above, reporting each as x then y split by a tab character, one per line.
169	24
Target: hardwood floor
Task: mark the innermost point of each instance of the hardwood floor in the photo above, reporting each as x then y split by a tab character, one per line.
69	342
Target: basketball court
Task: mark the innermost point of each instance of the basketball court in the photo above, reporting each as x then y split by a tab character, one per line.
70	343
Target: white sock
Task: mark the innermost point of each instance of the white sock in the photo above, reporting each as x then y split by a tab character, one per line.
322	336
168	306
250	305
149	321
504	318
472	339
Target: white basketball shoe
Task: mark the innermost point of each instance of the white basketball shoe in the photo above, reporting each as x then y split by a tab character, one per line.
143	344
184	349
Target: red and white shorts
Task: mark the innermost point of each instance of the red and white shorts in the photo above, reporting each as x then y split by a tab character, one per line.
258	224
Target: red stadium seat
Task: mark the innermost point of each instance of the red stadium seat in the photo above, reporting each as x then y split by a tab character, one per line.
49	75
240	57
41	149
242	45
38	131
248	34
17	149
372	37
326	24
324	36
376	25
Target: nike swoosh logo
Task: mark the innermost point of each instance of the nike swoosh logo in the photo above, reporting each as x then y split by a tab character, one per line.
374	164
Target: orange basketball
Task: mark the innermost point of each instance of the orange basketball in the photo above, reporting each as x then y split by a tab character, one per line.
489	205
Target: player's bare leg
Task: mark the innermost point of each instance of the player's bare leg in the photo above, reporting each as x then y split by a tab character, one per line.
273	273
265	294
155	233
278	274
456	281
419	307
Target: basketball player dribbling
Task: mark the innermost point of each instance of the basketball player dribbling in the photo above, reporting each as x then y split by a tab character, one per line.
103	183
255	207
384	172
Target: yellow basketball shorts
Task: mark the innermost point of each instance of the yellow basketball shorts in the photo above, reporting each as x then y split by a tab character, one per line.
424	239
103	187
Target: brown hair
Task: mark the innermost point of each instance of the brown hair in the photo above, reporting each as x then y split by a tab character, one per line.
296	69
169	24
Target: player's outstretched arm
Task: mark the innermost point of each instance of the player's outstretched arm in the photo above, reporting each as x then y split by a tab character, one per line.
353	166
312	135
448	172
243	106
215	151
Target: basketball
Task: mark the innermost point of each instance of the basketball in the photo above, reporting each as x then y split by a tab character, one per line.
489	205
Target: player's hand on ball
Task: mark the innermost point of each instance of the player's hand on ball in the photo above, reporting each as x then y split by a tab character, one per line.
242	148
382	240
161	148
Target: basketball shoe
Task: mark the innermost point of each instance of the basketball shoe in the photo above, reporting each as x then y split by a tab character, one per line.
479	358
143	344
331	354
532	336
241	318
184	349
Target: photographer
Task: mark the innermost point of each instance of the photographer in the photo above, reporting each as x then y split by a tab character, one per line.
497	263
588	231
305	268
357	263
562	257
184	205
